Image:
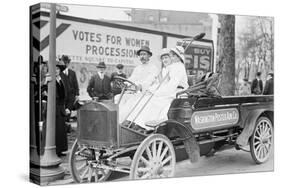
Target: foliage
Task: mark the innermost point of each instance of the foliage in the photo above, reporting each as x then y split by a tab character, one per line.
254	48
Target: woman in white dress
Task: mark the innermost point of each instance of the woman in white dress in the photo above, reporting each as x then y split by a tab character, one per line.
164	89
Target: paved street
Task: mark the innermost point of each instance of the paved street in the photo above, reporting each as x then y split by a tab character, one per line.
224	162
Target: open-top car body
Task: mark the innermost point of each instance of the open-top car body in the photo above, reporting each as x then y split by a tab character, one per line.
200	125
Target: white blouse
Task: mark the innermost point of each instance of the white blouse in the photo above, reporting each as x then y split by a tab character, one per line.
175	76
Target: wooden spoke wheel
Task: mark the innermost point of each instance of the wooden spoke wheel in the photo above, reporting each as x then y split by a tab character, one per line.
81	167
154	158
261	142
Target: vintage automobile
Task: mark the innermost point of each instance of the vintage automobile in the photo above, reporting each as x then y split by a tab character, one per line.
198	124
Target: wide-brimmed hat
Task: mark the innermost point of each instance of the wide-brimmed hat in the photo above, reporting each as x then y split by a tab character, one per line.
65	59
119	66
146	49
101	65
165	51
179	51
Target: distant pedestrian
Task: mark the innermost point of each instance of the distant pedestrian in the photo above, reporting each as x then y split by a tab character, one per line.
116	89
245	88
61	111
99	84
269	86
257	85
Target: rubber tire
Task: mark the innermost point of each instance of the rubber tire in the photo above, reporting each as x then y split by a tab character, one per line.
254	157
142	147
73	171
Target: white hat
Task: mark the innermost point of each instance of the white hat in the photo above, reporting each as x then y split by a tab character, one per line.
179	51
165	51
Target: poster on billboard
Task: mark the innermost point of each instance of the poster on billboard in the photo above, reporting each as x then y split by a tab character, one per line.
87	44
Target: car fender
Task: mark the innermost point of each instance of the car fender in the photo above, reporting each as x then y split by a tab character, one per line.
172	128
249	126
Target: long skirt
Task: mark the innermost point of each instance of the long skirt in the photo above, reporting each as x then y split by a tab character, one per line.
61	132
145	110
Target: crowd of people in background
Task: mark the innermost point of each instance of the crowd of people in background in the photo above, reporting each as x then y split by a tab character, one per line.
257	87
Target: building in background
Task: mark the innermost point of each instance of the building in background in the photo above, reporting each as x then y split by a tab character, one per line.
177	22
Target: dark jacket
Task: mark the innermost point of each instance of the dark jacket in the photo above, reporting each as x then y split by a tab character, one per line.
257	87
116	89
100	88
72	88
61	92
268	89
66	86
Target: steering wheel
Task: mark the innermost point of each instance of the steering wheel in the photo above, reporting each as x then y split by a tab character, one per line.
127	87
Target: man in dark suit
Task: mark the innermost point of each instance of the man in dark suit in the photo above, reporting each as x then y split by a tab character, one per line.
257	85
73	89
268	89
116	89
99	84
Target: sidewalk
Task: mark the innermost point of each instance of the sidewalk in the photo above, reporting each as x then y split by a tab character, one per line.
65	159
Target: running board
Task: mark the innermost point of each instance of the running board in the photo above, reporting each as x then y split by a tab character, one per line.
216	139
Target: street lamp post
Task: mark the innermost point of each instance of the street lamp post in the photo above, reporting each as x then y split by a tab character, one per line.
49	169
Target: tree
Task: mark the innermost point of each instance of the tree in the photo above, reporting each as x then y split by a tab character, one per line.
226	50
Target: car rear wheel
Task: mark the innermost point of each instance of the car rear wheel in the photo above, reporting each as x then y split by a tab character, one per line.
261	142
154	158
81	167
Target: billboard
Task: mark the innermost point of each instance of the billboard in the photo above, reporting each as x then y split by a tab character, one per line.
88	42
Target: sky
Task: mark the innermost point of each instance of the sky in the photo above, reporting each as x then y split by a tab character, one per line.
111	13
97	12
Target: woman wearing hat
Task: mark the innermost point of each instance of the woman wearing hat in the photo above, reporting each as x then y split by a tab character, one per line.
173	76
174	69
61	112
178	59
